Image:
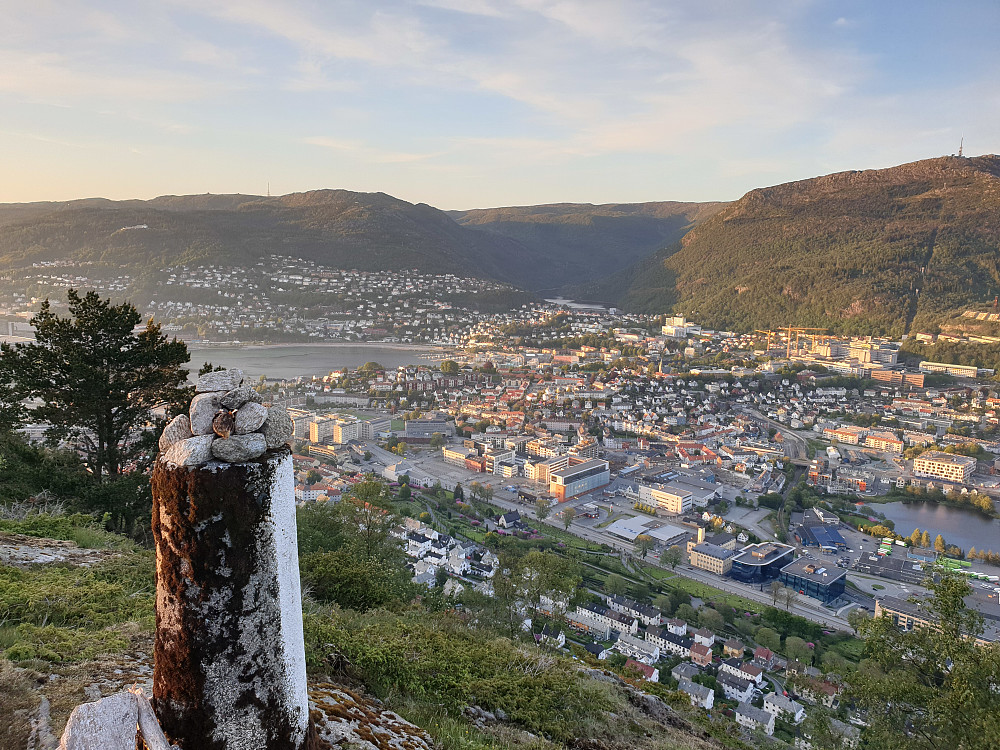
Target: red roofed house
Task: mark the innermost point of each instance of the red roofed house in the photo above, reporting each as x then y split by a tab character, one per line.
763	657
649	673
701	655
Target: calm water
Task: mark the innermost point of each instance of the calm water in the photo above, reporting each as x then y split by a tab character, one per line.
960	527
310	359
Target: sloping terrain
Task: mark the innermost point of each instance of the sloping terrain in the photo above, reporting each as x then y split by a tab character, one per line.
575	243
878	251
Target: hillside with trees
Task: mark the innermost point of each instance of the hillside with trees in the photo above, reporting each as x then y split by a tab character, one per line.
573	243
877	251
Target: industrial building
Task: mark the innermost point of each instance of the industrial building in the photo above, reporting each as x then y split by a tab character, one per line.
814	579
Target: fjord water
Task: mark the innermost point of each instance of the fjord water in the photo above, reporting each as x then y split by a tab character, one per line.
287	361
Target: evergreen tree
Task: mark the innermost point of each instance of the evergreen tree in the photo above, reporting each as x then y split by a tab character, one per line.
97	381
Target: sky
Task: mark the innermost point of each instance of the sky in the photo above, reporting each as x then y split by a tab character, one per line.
476	103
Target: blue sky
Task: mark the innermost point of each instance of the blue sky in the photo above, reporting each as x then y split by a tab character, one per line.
475	103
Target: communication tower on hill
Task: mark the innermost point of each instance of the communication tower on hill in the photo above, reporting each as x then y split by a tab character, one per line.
961	143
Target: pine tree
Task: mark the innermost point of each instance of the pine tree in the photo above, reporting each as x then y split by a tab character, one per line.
97	381
939	545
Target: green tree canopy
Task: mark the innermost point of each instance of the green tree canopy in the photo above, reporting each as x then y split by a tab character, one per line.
96	379
931	687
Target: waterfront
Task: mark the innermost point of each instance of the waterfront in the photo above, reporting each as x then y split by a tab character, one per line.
964	528
287	361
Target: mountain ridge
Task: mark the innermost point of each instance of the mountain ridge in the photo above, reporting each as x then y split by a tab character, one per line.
870	251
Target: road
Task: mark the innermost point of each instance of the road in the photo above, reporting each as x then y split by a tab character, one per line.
803	607
796	447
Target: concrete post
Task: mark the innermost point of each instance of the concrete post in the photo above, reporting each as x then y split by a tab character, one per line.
229	669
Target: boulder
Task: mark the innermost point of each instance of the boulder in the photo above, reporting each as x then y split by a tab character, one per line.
108	724
238	448
220	380
278	427
239	396
250	417
177	429
203	409
191	452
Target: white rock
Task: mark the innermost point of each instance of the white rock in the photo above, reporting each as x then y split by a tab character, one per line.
239	396
238	448
107	724
220	380
250	417
203	409
191	452
278	427
179	428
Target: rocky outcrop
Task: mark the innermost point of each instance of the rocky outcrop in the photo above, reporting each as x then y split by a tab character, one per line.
345	718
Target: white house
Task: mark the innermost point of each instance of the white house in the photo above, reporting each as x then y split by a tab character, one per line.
699	694
778	704
640	650
751	717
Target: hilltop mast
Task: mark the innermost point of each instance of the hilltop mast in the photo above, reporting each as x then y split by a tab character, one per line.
961	143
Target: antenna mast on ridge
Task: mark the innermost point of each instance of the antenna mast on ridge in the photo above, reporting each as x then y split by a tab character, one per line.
961	143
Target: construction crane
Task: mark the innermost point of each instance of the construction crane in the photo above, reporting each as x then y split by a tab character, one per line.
769	334
798	330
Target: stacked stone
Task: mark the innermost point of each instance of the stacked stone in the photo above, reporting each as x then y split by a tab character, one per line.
227	422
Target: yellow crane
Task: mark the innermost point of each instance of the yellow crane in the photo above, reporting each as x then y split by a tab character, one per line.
798	330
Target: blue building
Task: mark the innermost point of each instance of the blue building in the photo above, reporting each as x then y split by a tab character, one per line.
759	563
813	578
820	536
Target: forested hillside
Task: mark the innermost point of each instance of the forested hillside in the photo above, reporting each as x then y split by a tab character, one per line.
574	243
878	251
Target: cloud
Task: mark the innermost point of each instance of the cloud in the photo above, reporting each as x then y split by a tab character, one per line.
365	152
39	76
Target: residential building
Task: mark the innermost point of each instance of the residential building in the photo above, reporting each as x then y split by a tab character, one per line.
699	694
684	671
763	657
781	705
647	671
884	441
644	613
750	717
509	520
734	648
816	691
677	626
705	637
643	650
909	615
551	636
669	642
700	654
735	688
584	620
954	468
597	651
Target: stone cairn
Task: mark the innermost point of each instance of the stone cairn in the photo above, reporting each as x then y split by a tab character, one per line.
229	658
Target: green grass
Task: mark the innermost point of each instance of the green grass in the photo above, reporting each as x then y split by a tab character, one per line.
658	573
710	593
